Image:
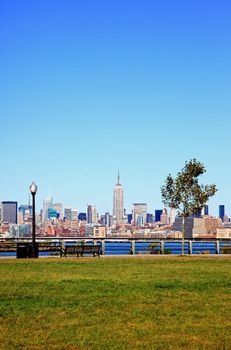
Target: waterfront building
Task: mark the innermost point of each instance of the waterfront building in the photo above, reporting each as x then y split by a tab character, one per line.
139	214
221	212
118	203
198	226
9	212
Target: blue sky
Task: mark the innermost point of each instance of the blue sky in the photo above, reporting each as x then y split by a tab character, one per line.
90	87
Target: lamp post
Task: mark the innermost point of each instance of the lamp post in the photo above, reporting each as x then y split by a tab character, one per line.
33	190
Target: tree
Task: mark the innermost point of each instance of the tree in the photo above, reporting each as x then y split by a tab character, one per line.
185	194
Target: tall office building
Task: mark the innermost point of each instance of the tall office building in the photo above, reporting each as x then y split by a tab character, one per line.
206	210
59	208
89	214
118	203
92	215
139	214
9	212
221	212
164	217
47	203
158	215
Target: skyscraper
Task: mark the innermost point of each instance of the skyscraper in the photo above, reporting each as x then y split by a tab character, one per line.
221	212
9	212
118	203
47	203
139	214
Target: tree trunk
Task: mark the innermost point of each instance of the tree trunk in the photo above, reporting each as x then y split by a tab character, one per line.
183	226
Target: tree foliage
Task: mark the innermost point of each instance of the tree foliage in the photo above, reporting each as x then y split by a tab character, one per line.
184	193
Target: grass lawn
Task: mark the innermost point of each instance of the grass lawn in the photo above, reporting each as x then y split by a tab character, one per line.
116	303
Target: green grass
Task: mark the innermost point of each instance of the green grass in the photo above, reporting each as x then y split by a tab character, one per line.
116	303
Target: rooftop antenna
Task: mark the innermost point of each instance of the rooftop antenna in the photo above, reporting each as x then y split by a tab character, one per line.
118	177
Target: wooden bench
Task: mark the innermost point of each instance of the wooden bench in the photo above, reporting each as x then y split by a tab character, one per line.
80	250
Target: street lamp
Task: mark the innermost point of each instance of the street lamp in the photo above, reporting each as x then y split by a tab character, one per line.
33	190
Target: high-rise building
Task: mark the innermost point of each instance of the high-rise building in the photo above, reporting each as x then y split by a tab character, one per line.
221	212
59	208
89	214
47	203
92	215
206	210
9	212
158	215
164	217
149	218
118	203
71	214
129	219
139	215
172	216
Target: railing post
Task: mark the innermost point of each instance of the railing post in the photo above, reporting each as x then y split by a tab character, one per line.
217	247
190	247
161	247
103	246
133	247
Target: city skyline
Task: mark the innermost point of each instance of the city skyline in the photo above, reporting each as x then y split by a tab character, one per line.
90	88
117	208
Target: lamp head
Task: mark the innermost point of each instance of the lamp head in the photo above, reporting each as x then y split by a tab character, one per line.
33	188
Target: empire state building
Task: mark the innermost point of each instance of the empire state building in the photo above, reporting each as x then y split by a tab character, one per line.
118	203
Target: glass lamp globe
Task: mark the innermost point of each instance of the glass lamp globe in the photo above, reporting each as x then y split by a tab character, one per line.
33	188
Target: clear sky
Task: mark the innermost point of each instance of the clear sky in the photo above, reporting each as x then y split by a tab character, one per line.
90	87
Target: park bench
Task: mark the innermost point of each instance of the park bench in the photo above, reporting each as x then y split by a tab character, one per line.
80	250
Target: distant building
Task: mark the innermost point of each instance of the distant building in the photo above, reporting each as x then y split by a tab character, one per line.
24	207
158	215
9	212
82	217
172	216
164	217
129	219
89	214
139	215
221	212
118	203
206	210
52	213
196	227
59	208
47	203
71	214
188	230
149	219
